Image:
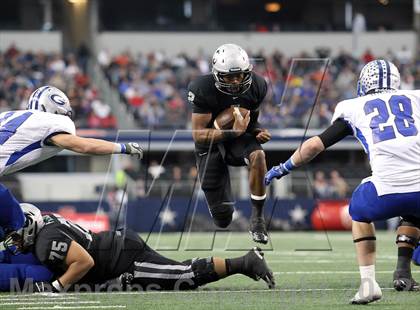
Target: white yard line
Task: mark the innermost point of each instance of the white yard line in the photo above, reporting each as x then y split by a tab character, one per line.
333	272
42	302
74	307
316	261
17	299
245	291
33	297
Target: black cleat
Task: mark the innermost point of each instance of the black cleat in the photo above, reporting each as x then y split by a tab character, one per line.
403	281
258	231
256	267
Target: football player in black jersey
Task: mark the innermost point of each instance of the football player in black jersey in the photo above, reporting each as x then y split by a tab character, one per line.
232	83
78	256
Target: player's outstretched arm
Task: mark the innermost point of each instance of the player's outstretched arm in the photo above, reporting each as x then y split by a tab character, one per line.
304	154
309	149
94	146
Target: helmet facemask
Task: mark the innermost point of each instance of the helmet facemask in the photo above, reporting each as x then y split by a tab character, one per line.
233	83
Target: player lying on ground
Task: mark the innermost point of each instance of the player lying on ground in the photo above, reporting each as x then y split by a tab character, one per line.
30	136
16	269
78	256
386	122
232	84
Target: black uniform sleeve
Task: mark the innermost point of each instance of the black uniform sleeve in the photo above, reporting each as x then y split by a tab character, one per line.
51	248
197	100
262	90
254	125
336	132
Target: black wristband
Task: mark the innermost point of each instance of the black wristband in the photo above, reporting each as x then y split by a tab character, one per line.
228	134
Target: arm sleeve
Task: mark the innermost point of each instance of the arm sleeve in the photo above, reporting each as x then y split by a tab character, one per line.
197	101
254	125
336	132
262	91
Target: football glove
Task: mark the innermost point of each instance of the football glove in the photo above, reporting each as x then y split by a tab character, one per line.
47	287
275	172
133	148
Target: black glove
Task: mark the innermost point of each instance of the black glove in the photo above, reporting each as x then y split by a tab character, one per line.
125	279
133	148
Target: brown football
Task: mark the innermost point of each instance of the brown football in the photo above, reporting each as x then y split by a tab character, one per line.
225	119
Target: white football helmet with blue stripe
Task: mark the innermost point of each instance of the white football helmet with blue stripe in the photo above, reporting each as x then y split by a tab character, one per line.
50	99
22	239
378	75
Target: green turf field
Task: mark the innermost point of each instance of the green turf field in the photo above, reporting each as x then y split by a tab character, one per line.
305	279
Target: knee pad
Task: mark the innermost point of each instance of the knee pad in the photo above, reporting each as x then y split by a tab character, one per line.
222	214
203	269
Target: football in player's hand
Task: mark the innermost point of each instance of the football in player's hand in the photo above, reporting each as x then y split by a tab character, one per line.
225	119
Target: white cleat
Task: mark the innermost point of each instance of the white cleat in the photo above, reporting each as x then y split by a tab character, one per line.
369	291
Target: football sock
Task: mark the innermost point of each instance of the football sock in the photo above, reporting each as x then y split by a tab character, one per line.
367	272
235	265
257	207
404	258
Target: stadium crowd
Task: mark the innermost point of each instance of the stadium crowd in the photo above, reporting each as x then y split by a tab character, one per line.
21	72
153	85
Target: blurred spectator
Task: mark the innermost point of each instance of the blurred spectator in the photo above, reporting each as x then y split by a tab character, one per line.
339	185
404	55
368	56
101	116
322	188
155	170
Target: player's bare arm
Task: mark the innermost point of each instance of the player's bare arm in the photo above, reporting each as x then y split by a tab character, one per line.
203	135
310	149
93	146
78	262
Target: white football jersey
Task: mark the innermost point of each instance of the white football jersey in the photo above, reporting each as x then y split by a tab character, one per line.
387	125
23	135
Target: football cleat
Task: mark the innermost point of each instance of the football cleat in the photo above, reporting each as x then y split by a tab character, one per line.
258	231
256	267
403	281
369	291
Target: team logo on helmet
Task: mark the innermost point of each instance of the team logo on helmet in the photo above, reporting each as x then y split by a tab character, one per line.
58	99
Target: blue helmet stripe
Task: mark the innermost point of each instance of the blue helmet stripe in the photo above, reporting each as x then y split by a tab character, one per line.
33	99
39	95
381	74
388	74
